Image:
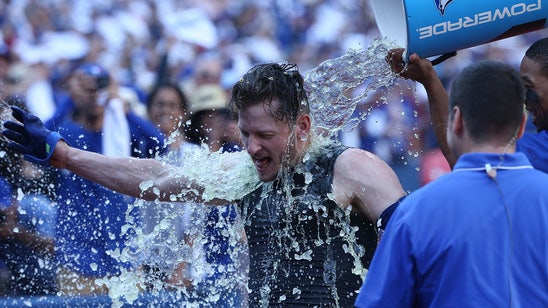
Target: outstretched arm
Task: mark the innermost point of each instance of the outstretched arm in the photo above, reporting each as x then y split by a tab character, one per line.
147	179
421	70
142	178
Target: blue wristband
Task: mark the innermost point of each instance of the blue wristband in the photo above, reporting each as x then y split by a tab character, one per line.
51	142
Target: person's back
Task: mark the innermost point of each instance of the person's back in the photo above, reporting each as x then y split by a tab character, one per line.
475	247
476	237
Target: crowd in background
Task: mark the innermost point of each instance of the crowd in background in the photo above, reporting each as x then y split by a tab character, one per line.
143	42
204	47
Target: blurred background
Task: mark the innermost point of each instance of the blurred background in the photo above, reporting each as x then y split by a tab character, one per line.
203	47
215	41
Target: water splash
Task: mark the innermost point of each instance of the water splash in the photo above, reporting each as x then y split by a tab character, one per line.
166	259
328	85
227	176
335	88
5	116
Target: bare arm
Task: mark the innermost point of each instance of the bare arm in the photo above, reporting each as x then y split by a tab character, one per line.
366	182
421	70
147	179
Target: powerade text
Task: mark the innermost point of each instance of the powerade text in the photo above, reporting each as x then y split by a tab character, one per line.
478	19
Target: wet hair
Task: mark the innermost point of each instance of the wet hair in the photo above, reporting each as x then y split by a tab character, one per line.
490	96
264	83
168	85
538	52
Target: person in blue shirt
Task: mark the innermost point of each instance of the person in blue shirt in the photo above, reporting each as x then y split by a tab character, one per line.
475	237
91	217
535	76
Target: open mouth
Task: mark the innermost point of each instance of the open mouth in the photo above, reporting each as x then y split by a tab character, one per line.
262	163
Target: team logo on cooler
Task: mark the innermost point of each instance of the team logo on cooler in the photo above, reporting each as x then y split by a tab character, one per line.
442	4
477	19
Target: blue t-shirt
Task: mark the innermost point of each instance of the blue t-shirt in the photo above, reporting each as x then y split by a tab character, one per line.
535	147
452	243
91	217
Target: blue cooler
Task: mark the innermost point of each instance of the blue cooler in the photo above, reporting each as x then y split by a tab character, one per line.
437	27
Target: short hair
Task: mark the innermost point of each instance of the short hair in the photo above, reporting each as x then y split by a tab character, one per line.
490	96
538	52
265	82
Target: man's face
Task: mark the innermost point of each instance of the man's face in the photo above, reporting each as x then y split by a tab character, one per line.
84	91
265	139
536	85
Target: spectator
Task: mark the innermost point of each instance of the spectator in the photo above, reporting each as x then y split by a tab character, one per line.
432	166
209	274
210	119
27	243
221	237
169	224
167	108
91	217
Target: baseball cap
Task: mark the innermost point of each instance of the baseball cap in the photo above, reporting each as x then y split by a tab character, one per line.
95	70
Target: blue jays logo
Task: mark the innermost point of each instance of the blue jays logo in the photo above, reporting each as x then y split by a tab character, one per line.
442	4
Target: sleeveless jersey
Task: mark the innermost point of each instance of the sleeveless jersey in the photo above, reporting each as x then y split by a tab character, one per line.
303	247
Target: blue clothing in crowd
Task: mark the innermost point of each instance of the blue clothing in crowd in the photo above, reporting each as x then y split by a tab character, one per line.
6	193
535	146
91	216
467	240
31	272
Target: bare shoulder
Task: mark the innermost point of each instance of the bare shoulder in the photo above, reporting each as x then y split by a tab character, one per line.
362	179
354	161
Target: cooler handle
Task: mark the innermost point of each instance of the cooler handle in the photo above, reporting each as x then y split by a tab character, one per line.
443	57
